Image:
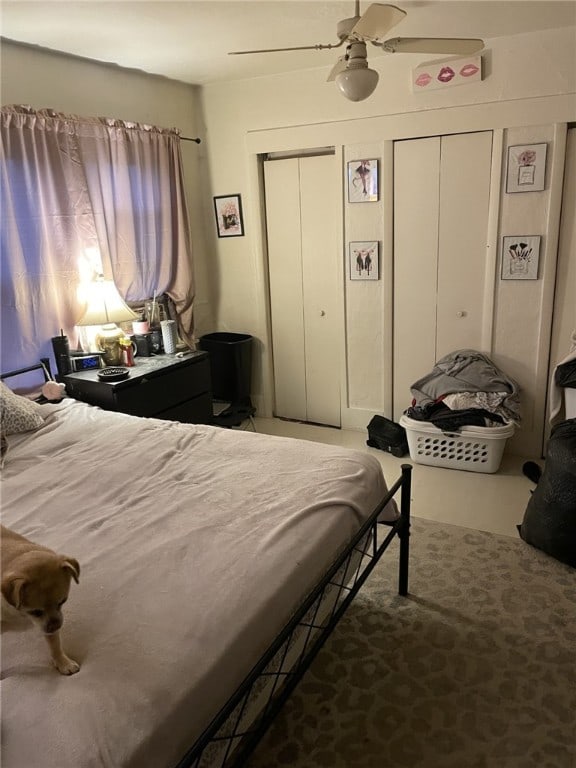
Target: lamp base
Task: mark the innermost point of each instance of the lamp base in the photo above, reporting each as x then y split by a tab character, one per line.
107	341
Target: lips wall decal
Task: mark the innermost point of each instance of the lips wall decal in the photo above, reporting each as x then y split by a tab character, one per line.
434	75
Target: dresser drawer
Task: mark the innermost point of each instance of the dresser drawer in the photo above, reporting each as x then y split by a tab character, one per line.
195	411
151	395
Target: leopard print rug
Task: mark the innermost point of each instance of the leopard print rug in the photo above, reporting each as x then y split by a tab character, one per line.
475	669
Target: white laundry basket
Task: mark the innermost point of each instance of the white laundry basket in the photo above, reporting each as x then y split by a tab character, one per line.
473	449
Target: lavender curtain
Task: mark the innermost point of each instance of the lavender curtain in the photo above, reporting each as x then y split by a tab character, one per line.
77	193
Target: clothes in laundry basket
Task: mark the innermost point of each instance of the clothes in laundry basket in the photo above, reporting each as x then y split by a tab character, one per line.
450	420
470	372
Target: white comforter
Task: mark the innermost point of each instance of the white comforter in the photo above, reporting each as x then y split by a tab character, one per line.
195	545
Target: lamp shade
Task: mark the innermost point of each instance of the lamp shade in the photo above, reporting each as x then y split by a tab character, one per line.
105	305
357	84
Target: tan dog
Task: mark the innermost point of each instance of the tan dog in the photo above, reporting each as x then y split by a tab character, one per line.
36	582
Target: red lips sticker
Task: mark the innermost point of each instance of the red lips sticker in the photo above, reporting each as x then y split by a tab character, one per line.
469	70
423	79
446	74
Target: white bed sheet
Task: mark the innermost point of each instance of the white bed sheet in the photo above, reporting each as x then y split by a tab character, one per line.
196	544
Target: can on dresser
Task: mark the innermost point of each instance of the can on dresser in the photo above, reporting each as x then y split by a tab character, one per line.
169	336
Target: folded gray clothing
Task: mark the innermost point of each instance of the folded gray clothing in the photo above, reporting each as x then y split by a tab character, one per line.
467	371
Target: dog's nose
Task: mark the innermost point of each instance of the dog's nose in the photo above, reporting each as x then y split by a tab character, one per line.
52	625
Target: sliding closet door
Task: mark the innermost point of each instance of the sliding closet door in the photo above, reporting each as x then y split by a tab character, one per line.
441	201
301	211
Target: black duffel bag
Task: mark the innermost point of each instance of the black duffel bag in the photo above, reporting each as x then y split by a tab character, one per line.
549	521
387	436
565	374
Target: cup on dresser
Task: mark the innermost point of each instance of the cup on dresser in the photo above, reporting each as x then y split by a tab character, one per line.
140	327
169	336
61	349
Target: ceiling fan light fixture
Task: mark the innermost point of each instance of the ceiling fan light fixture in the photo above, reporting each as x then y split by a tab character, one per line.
357	84
357	81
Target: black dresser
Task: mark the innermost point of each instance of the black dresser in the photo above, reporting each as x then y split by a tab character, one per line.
163	386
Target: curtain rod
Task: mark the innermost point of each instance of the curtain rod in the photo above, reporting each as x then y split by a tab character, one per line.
185	138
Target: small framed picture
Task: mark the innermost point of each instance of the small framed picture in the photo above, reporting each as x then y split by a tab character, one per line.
229	221
526	168
362	181
520	257
364	261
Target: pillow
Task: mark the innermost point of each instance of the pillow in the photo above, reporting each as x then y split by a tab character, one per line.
17	413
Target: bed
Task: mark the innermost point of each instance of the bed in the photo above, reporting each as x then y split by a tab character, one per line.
214	564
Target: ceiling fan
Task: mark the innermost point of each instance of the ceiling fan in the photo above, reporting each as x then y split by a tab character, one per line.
351	72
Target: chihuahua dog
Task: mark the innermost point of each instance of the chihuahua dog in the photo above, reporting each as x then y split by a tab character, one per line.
36	582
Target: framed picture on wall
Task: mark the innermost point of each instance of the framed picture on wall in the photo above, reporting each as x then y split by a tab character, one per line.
364	261
229	221
526	168
520	257
362	181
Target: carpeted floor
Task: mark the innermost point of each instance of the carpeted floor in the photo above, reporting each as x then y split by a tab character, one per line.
475	669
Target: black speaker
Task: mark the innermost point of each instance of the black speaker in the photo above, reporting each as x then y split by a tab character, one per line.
62	355
143	345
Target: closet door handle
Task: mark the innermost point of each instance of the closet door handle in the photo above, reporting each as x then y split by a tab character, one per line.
461	313
322	313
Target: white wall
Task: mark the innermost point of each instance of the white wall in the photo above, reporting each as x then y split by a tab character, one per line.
41	78
529	87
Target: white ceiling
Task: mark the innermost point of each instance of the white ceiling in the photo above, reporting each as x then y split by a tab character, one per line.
190	40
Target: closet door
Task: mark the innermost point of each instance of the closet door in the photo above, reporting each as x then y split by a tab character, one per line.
441	201
282	180
301	207
320	265
416	215
564	317
462	234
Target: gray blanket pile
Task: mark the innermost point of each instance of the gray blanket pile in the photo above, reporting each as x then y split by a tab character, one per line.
468	379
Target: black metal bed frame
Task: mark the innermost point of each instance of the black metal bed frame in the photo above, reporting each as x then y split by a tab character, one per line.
228	741
43	365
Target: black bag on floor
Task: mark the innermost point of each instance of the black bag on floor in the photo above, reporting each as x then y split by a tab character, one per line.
550	518
387	436
565	374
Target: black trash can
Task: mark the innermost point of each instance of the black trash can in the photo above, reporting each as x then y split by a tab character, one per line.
230	365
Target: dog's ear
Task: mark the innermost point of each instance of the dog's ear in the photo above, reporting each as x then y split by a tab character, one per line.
72	565
13	589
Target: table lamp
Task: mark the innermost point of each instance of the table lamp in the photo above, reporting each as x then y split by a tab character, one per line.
106	308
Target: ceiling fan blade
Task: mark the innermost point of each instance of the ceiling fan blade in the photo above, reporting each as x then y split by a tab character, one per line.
456	45
340	66
318	47
376	21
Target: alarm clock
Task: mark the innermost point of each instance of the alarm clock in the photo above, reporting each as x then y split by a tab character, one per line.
85	362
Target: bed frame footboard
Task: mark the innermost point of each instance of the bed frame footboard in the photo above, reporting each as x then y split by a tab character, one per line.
237	729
